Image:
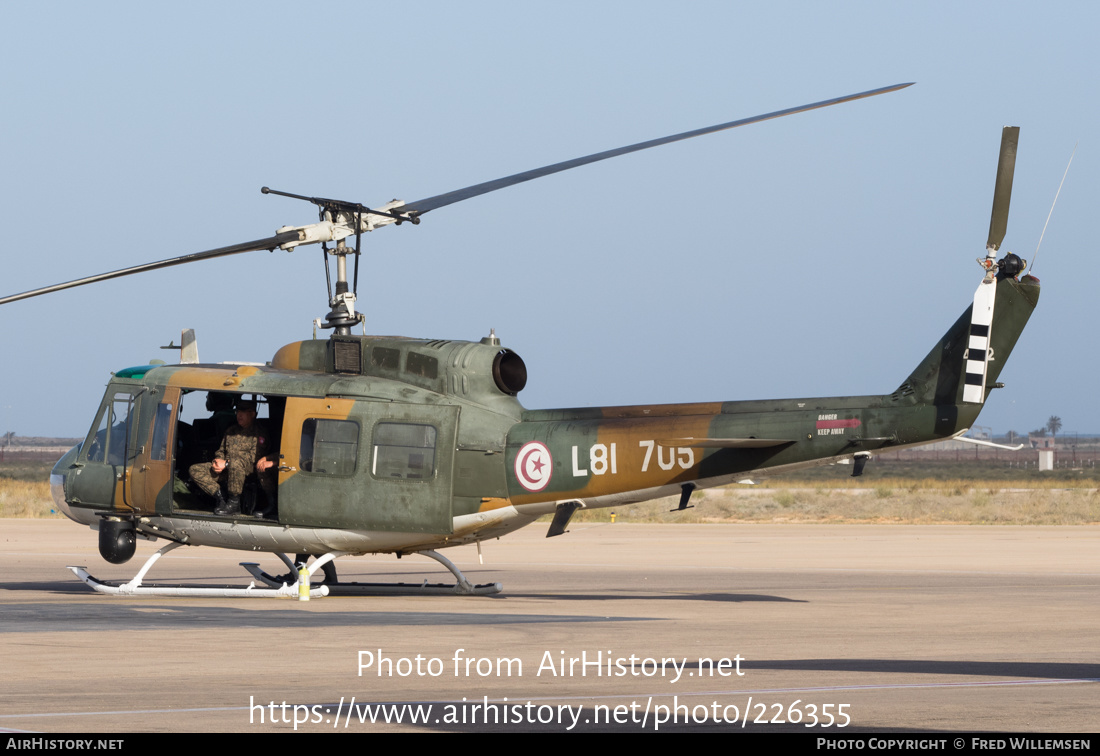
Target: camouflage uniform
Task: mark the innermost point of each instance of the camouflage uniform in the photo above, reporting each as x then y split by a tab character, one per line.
241	448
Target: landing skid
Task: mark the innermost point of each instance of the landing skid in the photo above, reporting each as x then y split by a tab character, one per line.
286	586
135	587
335	588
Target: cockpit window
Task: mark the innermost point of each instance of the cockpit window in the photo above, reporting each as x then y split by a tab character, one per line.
112	435
160	431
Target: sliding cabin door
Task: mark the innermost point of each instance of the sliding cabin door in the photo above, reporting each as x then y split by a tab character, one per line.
367	465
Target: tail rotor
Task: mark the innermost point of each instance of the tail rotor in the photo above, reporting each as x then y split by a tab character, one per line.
981	318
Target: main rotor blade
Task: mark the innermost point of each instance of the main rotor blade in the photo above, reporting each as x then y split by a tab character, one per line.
1002	192
440	200
269	243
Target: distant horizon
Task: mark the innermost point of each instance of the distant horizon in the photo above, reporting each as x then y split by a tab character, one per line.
73	440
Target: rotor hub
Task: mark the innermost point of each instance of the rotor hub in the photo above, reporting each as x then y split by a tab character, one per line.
1010	266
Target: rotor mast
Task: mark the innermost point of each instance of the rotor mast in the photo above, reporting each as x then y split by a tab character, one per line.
340	219
342	316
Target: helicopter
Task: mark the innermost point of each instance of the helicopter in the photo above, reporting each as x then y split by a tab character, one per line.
409	446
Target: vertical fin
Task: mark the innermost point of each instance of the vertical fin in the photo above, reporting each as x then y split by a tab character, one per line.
977	353
189	347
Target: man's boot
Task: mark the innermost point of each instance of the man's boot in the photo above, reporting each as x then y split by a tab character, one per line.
233	505
227	508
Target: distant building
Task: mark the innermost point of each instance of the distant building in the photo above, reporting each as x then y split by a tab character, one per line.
1040	442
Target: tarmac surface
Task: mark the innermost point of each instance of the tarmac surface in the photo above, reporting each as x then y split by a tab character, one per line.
904	629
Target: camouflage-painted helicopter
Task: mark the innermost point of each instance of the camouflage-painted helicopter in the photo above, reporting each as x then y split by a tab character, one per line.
391	445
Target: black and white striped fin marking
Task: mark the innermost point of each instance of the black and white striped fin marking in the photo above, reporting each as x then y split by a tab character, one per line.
981	331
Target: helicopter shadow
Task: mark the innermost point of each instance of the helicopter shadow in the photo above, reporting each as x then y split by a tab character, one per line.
126	615
70	587
714	597
45	586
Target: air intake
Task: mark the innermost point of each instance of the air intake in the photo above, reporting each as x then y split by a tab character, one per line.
346	357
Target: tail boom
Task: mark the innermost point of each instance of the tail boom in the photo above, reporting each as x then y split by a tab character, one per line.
605	456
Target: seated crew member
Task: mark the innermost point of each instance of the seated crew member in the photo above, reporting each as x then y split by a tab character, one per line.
198	441
245	450
221	419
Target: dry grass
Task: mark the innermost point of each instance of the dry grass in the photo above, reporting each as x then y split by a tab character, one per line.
931	483
914	502
26	498
897	501
885	500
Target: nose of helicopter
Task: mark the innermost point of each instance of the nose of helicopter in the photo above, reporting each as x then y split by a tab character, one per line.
57	491
57	482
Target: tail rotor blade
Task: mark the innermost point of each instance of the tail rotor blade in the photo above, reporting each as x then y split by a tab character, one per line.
1002	192
981	316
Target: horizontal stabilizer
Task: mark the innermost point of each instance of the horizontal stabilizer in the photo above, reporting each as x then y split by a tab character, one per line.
980	442
725	443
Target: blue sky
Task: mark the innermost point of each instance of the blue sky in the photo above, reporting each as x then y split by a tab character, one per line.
822	254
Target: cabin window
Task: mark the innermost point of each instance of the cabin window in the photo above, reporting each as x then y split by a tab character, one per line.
329	447
403	450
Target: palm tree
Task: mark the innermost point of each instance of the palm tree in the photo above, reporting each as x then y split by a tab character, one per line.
1054	424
